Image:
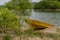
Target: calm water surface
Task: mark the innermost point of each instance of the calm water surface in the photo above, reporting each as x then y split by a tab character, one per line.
48	17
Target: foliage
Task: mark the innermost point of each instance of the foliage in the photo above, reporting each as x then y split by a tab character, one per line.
7	37
8	20
1	6
19	7
46	4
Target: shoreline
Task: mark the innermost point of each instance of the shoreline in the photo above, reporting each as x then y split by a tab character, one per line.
47	10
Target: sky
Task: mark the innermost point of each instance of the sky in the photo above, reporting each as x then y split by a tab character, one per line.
2	2
35	0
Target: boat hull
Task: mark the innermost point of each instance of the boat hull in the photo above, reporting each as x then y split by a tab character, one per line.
34	24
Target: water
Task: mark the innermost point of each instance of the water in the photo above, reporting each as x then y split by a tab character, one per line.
48	17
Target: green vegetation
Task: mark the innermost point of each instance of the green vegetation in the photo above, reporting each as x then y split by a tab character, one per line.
1	6
14	11
47	4
39	34
8	20
19	7
11	15
6	37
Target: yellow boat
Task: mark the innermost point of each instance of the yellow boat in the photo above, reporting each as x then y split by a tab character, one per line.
34	24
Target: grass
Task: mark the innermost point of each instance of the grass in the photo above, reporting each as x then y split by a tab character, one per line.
26	34
32	33
6	37
58	29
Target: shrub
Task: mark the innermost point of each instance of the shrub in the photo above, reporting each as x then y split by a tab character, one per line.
8	20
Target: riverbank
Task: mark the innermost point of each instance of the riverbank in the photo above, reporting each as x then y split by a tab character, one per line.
52	33
47	10
47	30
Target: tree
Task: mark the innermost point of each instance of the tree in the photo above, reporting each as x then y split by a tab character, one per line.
20	7
48	4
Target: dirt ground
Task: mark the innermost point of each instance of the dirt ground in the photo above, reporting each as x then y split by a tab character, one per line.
51	30
47	30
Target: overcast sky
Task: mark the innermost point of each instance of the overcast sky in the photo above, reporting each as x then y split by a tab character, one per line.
35	0
4	1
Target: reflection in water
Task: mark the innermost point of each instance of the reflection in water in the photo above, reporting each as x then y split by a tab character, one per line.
49	17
